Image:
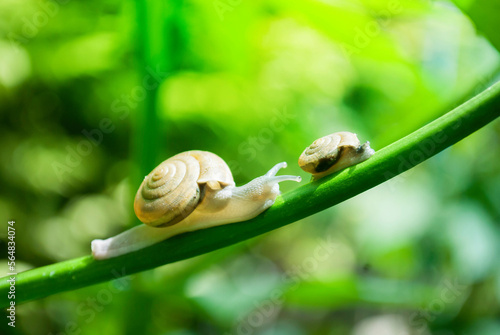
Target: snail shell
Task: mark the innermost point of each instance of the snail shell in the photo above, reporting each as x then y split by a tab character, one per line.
173	189
333	153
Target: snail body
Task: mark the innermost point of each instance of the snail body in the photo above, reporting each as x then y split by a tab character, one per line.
190	191
334	152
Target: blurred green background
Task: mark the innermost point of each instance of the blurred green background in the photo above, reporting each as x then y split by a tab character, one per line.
94	94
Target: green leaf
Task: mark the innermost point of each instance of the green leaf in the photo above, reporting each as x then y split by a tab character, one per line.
484	14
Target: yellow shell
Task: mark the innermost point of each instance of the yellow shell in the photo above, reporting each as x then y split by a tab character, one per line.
333	153
175	187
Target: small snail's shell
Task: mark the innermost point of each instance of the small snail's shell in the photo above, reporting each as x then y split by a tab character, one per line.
174	188
333	153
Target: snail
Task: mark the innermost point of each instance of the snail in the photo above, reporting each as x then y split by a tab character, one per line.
190	191
333	153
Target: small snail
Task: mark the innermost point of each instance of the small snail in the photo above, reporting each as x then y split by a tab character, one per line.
333	153
190	191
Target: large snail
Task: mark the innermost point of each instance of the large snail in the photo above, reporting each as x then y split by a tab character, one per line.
333	153
190	191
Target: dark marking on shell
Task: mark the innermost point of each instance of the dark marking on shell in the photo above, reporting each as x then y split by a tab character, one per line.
327	162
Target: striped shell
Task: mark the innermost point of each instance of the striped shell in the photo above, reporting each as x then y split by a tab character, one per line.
175	187
333	153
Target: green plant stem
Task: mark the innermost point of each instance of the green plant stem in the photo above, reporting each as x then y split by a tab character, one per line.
306	200
152	51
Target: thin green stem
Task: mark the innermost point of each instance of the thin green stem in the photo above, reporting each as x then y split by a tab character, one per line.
306	200
150	49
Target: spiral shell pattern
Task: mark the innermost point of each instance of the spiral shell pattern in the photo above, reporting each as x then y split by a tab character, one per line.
333	153
173	189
